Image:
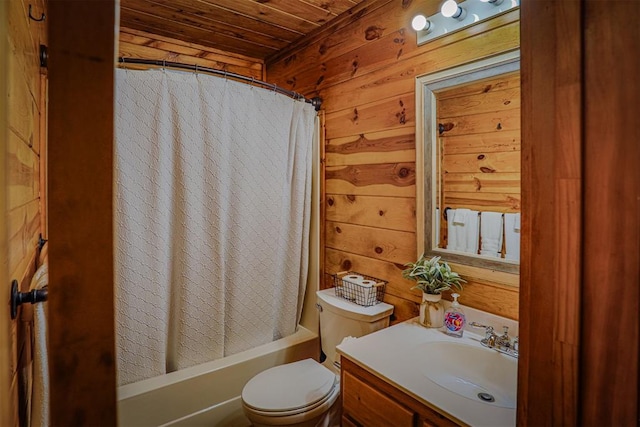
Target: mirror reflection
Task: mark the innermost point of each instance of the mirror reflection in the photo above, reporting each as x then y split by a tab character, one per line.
471	148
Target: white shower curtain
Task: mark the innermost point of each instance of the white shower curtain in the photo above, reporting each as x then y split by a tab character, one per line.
212	196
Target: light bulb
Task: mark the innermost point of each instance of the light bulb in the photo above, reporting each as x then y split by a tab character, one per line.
420	23
450	9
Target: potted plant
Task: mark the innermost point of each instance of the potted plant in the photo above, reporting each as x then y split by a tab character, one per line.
432	277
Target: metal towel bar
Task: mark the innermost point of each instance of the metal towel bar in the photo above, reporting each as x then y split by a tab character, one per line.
18	298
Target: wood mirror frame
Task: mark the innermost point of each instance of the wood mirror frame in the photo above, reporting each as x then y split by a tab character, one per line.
427	156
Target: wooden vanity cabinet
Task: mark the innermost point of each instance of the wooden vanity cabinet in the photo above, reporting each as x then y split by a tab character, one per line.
368	401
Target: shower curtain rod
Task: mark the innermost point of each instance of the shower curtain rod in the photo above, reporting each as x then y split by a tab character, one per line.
316	101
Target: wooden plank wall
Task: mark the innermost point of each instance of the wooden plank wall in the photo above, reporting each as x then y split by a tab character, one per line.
26	142
364	67
6	350
480	147
139	44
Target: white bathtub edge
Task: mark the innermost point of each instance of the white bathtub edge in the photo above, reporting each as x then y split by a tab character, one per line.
207	389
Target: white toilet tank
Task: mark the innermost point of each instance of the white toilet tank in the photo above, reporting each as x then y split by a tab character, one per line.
340	318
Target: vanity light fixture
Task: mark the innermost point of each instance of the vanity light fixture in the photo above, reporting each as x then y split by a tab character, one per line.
454	16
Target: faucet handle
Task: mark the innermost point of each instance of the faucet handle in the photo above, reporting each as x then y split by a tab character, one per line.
488	330
505	331
478	325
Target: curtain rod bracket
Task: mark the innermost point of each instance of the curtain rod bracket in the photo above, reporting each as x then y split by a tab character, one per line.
316	102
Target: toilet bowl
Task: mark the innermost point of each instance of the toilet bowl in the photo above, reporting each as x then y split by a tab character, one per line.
305	393
299	393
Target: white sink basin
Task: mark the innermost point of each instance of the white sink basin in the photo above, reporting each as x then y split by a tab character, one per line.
443	372
477	373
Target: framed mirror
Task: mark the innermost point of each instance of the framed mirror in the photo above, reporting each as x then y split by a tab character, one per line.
468	163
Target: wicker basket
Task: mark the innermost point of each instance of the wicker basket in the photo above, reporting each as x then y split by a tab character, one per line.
362	293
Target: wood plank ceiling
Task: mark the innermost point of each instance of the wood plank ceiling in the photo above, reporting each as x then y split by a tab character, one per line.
255	28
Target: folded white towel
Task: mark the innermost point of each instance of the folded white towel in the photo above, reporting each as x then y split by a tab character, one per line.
40	399
491	234
452	231
512	236
460	216
437	231
472	233
463	231
516	224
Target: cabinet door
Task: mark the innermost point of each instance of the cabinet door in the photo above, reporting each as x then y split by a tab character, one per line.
371	408
433	419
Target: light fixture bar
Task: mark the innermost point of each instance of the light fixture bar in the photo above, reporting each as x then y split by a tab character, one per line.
473	11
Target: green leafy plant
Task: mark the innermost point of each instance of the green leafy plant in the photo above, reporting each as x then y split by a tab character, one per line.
432	276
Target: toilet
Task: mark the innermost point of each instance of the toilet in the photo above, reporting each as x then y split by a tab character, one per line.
305	393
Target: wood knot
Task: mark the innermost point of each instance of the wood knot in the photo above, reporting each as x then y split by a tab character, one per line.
355	115
373	32
338	230
330	201
378	250
499	127
481	156
485	169
403	172
351	197
346	264
381	213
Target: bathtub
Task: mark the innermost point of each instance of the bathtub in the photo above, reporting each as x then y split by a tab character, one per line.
208	394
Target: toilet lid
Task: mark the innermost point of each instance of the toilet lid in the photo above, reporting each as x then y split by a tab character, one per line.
289	387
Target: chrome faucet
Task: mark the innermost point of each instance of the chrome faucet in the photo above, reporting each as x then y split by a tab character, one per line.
501	343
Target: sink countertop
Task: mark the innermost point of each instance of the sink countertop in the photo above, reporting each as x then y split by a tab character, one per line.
390	355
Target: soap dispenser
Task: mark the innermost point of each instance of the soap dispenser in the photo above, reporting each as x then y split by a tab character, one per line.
454	319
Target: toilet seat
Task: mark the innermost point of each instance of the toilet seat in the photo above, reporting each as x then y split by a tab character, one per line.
293	392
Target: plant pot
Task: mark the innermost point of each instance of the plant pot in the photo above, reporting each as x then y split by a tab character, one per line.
431	311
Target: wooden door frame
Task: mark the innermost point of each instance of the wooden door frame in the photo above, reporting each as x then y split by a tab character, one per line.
81	130
578	320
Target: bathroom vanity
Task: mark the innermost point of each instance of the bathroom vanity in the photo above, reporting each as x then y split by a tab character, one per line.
369	401
409	375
